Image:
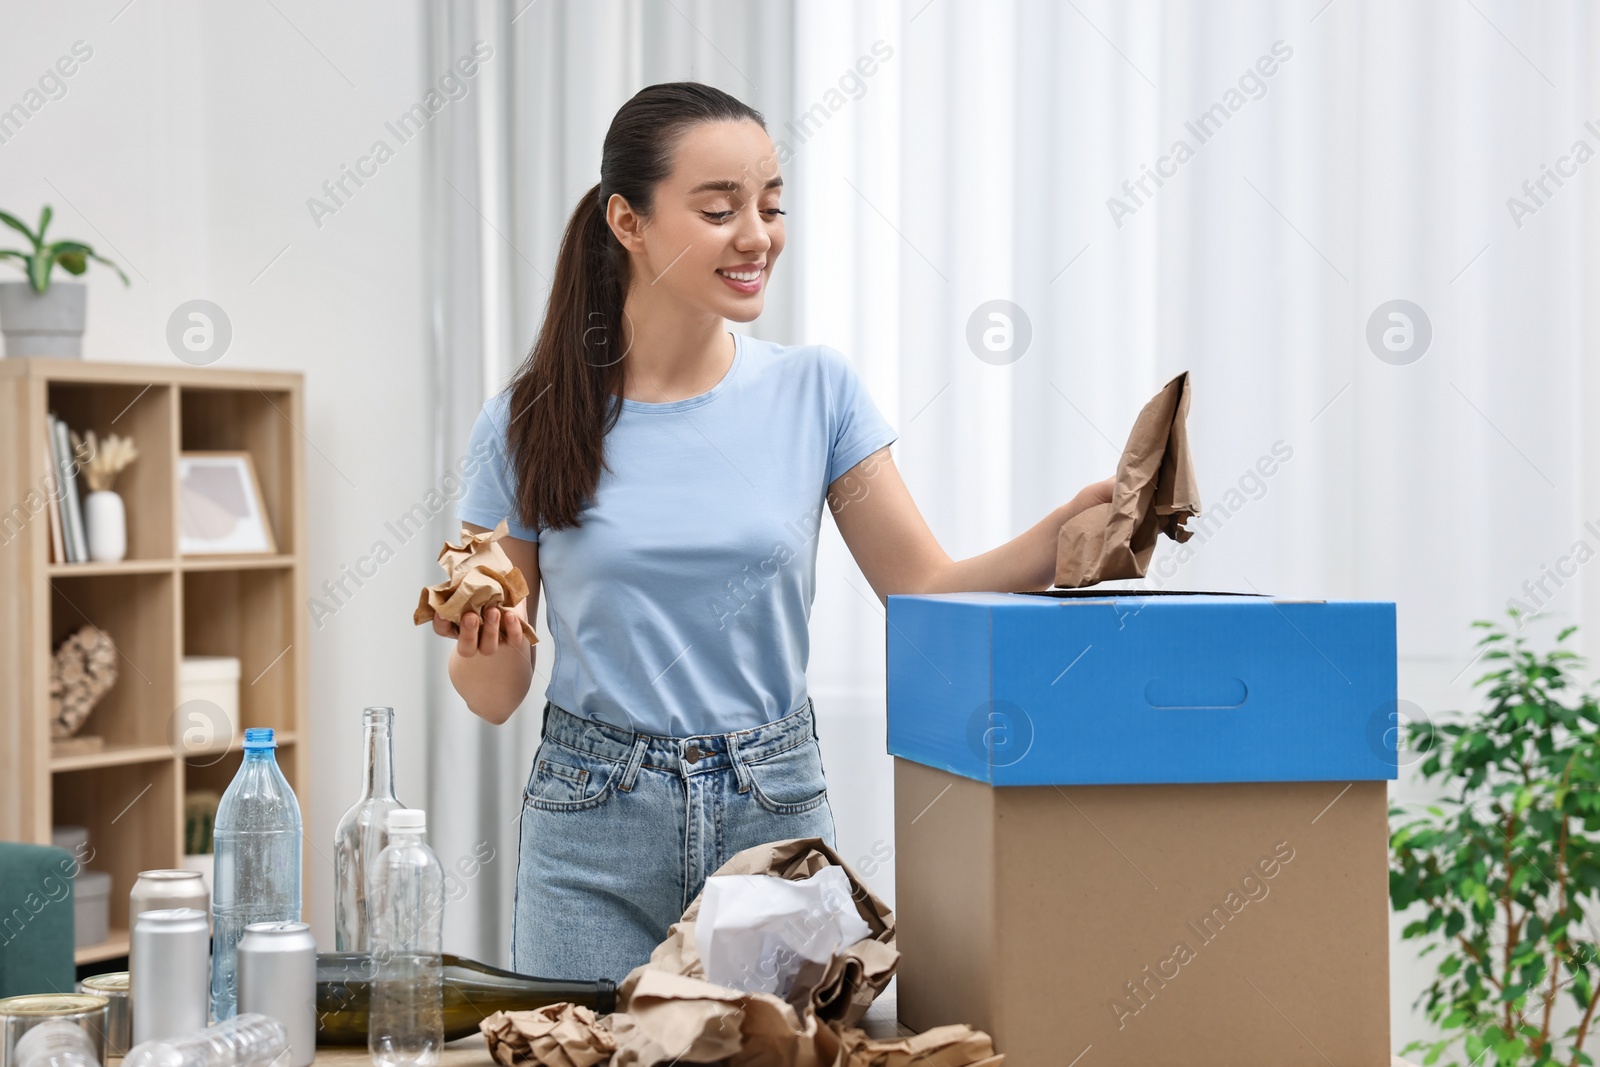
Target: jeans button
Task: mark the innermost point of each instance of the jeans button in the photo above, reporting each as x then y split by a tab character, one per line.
692	754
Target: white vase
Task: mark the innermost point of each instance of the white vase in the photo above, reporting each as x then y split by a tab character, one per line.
107	524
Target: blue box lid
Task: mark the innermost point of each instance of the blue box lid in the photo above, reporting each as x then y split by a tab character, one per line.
1083	688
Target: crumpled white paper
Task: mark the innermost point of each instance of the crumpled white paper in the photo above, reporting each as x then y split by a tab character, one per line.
755	932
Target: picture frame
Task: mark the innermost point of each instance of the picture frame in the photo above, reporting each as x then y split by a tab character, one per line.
220	507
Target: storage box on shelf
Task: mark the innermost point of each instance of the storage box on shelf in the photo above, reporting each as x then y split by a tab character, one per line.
155	605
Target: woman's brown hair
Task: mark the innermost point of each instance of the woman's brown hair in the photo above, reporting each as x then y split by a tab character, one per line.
567	395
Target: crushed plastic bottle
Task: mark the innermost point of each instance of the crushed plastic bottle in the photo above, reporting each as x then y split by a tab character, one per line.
248	1040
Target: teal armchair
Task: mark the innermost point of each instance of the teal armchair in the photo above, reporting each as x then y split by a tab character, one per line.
36	919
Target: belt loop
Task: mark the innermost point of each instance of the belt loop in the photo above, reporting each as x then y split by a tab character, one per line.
811	710
740	771
634	760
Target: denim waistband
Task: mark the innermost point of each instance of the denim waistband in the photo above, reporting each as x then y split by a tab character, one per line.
688	755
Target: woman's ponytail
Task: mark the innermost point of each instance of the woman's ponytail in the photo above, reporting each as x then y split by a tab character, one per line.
566	396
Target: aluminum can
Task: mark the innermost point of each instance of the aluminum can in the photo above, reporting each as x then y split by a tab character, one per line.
154	890
171	975
119	1017
20	1014
278	977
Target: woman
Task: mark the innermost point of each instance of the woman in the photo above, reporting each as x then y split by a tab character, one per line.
665	479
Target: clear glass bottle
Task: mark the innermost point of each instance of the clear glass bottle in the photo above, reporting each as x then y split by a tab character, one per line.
406	1027
248	1040
362	835
256	878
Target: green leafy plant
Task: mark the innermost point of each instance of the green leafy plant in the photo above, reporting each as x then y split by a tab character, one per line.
1507	866
73	256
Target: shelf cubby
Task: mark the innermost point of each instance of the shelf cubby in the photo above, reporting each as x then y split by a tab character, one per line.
138	613
261	422
143	413
250	614
133	815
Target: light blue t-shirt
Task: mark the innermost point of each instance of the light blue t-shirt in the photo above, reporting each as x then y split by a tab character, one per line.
681	604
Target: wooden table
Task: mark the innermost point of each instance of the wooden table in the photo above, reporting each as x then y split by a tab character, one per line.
471	1051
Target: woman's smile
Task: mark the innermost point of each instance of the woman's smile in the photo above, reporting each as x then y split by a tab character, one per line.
747	280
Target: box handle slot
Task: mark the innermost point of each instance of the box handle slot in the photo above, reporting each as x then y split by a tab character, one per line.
1191	693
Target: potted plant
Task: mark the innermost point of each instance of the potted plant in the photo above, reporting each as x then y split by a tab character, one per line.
1507	865
37	318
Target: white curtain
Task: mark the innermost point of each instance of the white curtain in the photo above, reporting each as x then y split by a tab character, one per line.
945	154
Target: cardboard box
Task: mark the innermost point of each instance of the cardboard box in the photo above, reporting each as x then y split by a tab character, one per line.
1145	829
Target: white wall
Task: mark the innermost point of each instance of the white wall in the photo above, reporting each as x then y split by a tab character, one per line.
185	149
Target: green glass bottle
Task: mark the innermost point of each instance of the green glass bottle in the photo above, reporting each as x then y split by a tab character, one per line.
473	991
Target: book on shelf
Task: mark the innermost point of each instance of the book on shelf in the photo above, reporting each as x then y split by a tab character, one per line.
52	483
77	543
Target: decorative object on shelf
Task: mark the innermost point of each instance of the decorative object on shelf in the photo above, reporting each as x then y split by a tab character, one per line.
103	513
67	747
199	815
220	508
70	836
37	318
482	576
91	908
208	706
83	671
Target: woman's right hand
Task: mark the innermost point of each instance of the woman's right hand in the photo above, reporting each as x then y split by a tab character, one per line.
497	628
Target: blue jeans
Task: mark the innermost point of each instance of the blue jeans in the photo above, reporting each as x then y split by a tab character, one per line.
620	830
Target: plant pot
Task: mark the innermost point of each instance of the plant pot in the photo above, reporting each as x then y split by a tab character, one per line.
205	863
43	324
107	521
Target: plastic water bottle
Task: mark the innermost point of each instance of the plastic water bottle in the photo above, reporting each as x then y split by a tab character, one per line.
56	1043
248	1040
257	875
406	1026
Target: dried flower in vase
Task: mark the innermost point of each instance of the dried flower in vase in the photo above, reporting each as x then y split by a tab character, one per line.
83	671
103	461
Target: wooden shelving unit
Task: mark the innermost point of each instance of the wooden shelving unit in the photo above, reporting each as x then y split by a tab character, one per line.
155	605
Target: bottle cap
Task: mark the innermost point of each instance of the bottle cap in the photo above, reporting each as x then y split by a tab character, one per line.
259	737
408	820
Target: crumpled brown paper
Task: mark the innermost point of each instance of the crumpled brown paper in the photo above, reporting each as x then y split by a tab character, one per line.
481	576
942	1046
668	1013
560	1035
1154	493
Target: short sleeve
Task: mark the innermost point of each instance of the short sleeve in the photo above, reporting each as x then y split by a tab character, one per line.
857	427
486	475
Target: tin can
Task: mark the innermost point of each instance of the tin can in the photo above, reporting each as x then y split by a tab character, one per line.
119	1017
154	890
172	974
278	977
18	1015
